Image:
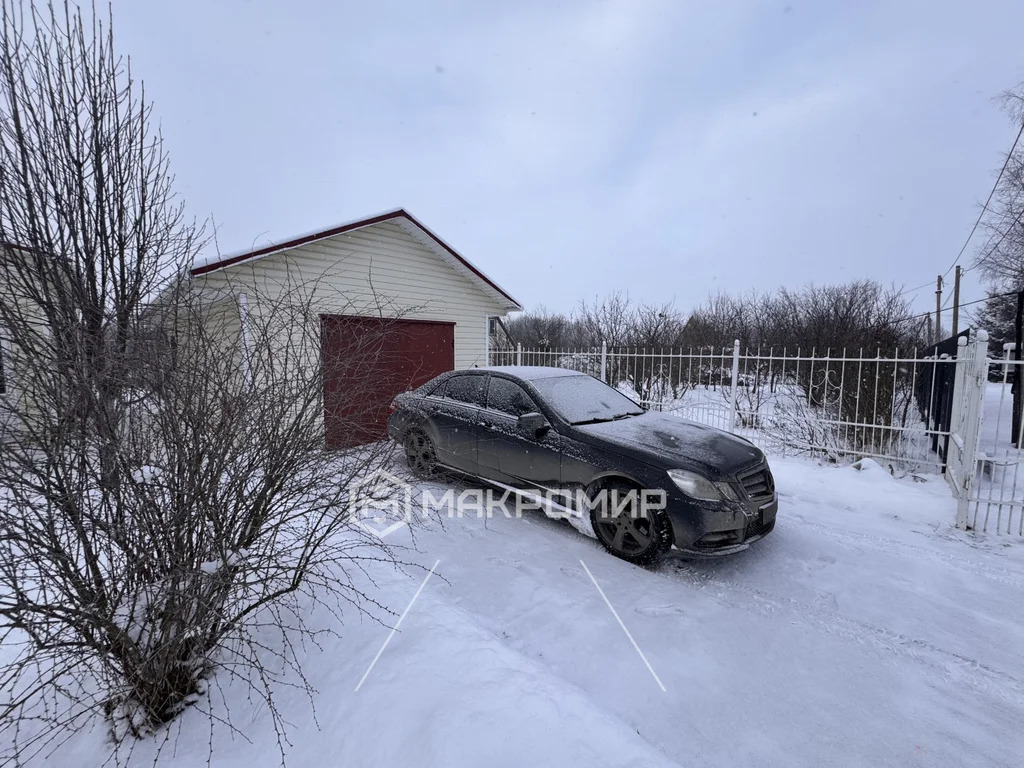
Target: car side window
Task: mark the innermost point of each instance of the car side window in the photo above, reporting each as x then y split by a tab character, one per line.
508	397
431	388
471	390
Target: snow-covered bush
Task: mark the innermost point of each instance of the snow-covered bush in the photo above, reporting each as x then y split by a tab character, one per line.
165	495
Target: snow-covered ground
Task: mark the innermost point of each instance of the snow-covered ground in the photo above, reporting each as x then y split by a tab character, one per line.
864	631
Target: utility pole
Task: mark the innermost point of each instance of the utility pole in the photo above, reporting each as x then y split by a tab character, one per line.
938	309
1015	390
956	301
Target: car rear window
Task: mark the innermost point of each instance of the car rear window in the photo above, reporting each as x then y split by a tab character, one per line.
508	397
467	389
432	387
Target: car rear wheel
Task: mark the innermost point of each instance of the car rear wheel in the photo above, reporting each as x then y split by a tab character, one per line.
420	453
625	527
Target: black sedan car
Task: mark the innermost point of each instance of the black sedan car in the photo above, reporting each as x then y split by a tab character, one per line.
548	430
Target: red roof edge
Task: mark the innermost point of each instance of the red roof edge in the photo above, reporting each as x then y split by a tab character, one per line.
397	214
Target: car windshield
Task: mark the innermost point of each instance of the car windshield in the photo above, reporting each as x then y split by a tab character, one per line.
585	400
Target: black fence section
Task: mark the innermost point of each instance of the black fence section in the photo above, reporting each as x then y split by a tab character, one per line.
934	393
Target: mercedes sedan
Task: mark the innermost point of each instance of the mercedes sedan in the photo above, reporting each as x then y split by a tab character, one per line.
647	480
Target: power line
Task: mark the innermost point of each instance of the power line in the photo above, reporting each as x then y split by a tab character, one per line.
889	324
988	253
918	288
930	312
905	291
1005	234
984	208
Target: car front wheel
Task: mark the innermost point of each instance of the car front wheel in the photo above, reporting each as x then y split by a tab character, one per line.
625	527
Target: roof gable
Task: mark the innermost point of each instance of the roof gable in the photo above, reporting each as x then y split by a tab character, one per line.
400	217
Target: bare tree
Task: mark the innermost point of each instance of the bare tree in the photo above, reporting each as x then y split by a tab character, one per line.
162	493
541	329
608	320
1001	256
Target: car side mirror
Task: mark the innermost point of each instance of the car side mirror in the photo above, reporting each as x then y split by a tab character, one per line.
534	423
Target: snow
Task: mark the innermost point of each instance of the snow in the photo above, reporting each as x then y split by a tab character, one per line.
147	474
233	560
533	372
867	464
865	630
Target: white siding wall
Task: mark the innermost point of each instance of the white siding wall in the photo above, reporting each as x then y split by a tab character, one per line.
17	403
380	269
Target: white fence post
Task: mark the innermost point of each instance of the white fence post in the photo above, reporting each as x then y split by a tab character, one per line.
519	354
604	361
965	426
732	388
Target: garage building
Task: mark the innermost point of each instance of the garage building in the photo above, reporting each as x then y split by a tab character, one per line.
386	282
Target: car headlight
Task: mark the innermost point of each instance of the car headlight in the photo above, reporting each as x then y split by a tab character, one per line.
699	487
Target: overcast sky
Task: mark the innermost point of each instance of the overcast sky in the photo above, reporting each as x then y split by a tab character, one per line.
671	149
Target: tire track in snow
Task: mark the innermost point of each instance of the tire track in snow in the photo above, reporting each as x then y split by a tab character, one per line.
888	546
954	667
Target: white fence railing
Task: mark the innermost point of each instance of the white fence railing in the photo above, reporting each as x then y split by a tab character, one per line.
836	406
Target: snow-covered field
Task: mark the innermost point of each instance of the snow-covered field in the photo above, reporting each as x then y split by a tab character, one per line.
865	630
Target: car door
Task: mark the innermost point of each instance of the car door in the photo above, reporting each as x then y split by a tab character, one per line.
510	453
456	415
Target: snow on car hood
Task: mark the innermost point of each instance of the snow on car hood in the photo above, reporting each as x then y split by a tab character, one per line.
670	438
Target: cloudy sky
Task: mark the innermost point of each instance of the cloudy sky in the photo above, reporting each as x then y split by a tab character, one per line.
669	148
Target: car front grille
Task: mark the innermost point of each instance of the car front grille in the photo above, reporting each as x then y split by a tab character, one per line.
758	483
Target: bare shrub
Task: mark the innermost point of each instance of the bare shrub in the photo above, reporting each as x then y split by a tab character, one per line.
165	497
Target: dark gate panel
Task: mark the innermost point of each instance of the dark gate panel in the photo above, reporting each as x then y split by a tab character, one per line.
369	360
934	386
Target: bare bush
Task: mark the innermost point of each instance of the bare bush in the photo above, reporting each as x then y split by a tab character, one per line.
165	496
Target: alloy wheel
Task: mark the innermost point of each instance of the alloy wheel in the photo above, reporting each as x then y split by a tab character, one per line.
624	530
419	452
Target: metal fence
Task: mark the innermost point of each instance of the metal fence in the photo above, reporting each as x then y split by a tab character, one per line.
992	487
911	412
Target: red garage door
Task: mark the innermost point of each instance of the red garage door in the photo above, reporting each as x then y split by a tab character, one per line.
367	361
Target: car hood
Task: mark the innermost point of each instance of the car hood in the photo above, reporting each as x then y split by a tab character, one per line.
669	439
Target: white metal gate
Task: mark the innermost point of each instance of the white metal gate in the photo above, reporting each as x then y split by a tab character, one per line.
965	421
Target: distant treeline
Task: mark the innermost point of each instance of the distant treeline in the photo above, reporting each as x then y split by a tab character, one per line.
857	315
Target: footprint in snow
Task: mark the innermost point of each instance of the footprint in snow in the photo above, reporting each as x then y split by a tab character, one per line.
658	611
575	573
826	601
822	561
504	561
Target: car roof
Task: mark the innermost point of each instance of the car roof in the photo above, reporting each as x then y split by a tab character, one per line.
531	372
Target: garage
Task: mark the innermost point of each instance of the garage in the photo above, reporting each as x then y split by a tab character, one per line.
387	303
369	360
